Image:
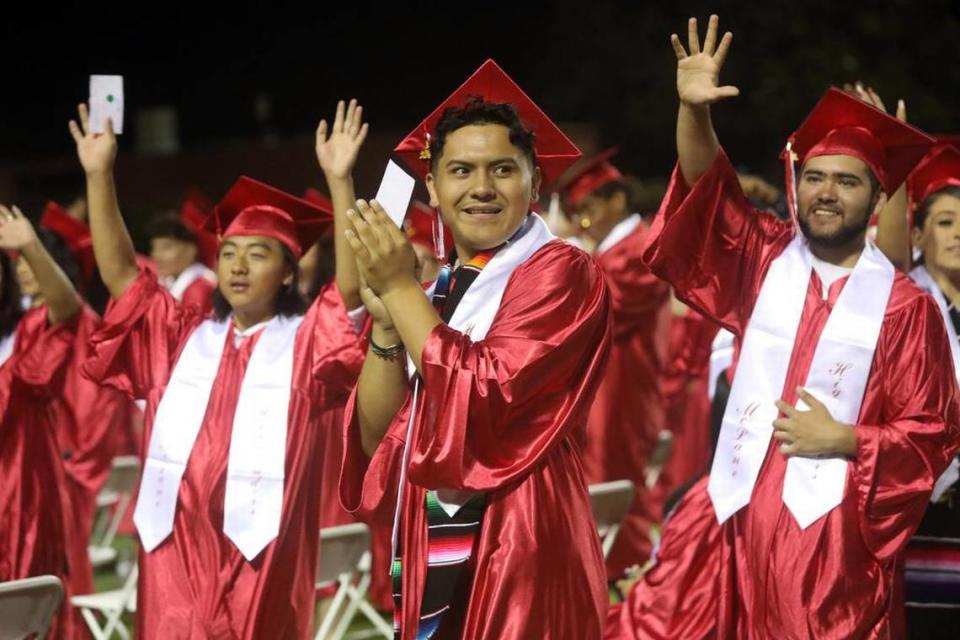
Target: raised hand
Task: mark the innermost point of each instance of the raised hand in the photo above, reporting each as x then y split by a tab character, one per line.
383	252
337	152
868	95
698	72
97	151
16	232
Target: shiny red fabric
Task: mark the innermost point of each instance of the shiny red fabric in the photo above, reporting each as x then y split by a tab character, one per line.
628	413
505	416
197	584
200	293
677	598
835	578
687	401
33	503
90	429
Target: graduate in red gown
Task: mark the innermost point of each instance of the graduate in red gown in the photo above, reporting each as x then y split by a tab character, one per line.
227	511
483	445
93	421
183	252
628	414
816	499
35	351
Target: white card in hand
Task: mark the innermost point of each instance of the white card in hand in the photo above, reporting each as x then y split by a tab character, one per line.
106	101
395	192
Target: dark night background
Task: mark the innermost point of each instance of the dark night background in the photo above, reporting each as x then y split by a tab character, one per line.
602	63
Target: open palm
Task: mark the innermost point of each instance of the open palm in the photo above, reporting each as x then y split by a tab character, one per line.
698	72
97	151
337	152
16	232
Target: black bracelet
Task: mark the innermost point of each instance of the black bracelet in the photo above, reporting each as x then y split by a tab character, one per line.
387	353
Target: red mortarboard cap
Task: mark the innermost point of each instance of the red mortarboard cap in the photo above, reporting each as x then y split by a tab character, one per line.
843	125
74	232
316	197
555	152
194	212
590	176
939	169
420	223
253	208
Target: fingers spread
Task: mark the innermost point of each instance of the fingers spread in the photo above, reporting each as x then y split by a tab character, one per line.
710	41
721	55
677	47
693	38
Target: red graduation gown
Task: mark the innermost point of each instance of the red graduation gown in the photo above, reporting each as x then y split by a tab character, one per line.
93	423
628	413
505	416
199	293
677	598
33	505
197	584
687	400
835	578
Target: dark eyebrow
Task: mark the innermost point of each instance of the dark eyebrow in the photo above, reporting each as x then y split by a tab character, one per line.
233	244
837	174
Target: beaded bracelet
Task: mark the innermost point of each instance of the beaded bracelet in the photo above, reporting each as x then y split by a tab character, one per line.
386	353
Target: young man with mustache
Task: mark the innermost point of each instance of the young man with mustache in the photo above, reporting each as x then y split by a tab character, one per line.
843	411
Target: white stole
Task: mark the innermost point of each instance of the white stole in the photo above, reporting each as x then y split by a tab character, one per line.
6	346
189	275
255	468
838	377
925	281
619	232
473	317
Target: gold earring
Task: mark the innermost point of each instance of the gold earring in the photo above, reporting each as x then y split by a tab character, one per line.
585	223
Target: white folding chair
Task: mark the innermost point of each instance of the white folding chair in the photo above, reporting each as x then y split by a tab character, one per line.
27	606
111	605
345	561
610	502
112	504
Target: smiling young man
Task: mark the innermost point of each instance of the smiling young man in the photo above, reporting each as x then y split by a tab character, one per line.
481	450
228	510
815	500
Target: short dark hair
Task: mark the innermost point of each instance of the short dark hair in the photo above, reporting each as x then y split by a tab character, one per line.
11	309
479	111
289	302
169	225
920	218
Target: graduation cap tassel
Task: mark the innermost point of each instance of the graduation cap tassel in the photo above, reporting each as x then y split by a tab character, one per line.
790	180
438	243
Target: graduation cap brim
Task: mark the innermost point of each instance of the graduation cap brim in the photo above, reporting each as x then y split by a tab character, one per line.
840	124
555	152
251	208
938	170
589	176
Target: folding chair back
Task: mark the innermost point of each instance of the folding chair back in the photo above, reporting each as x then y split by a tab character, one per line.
345	561
112	503
610	502
28	606
341	549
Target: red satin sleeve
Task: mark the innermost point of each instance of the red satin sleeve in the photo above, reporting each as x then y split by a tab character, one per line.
636	294
368	485
493	409
41	351
337	353
899	460
139	341
713	246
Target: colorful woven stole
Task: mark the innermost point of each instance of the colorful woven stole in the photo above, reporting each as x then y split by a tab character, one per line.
450	540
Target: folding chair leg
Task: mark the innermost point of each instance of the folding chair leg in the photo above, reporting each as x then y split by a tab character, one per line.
323	633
